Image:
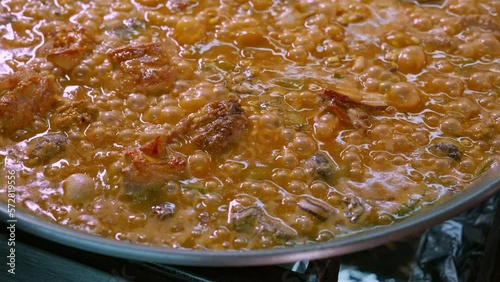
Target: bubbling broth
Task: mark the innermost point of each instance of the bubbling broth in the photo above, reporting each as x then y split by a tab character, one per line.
235	125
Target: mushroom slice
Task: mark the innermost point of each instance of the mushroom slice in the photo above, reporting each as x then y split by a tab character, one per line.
445	149
317	208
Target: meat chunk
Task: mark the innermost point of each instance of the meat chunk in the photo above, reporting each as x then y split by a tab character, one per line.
449	150
144	175
74	114
141	68
344	100
350	111
125	29
214	128
42	149
224	126
321	166
23	95
255	220
67	46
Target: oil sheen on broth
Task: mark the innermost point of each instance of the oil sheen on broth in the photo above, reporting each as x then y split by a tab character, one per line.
244	124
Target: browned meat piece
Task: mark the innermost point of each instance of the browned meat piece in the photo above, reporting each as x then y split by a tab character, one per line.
214	128
74	114
144	175
142	68
23	95
320	166
145	53
66	47
349	111
449	150
42	149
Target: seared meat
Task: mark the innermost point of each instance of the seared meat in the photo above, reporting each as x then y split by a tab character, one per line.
73	114
142	68
23	95
448	150
219	125
214	128
344	101
144	175
42	149
255	220
350	111
320	165
66	47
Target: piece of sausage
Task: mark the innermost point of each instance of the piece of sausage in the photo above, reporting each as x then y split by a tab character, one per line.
226	128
